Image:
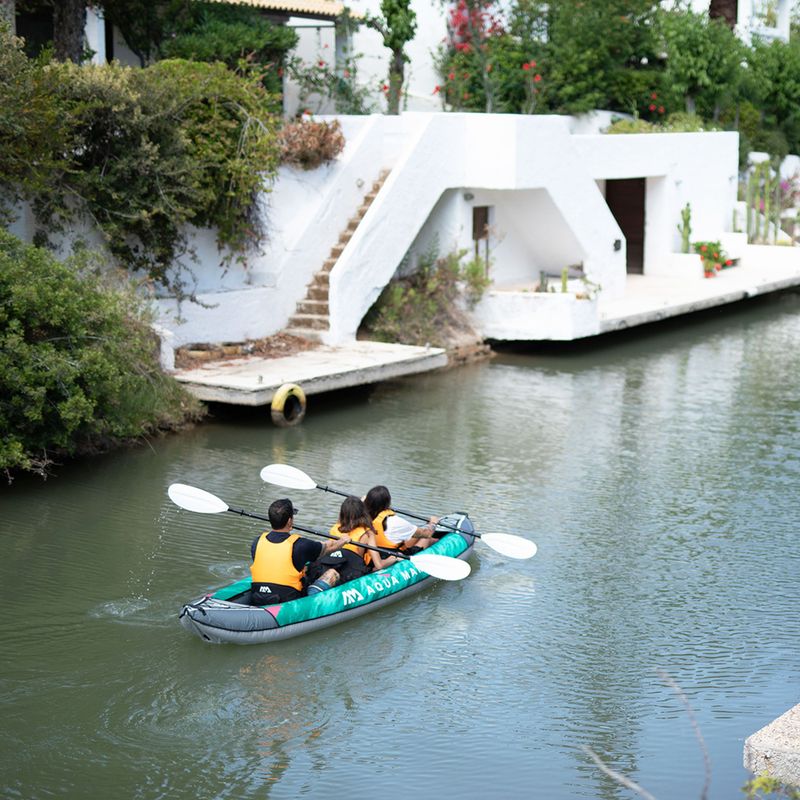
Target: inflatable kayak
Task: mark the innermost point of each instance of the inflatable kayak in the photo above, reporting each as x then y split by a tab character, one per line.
226	616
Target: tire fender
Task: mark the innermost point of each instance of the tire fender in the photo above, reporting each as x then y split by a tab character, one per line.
288	406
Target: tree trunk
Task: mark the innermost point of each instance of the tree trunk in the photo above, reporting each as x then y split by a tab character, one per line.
397	73
7	12
69	21
726	10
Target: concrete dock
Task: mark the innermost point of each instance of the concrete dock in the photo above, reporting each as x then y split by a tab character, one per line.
651	299
775	749
252	381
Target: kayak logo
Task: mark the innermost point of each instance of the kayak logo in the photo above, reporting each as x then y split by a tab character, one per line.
264	588
337	554
351	596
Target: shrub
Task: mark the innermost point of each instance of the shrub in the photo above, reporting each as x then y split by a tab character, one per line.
425	307
141	153
79	364
712	255
309	144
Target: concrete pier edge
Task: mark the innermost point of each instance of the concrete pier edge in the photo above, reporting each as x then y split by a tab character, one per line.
775	749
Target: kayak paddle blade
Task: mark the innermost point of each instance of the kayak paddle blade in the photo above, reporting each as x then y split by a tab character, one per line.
193	499
509	545
443	567
287	476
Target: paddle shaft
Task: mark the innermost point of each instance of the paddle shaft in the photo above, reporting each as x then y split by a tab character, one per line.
384	550
399	511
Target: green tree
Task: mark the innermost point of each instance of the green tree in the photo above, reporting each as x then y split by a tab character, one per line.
397	26
704	57
79	364
775	88
33	134
601	55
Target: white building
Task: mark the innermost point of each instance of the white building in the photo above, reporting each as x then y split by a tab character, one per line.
606	205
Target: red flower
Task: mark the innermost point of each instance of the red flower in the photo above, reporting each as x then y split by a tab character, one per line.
728	263
717	267
703	248
451	76
537	78
653	96
466	95
385	87
532	63
321	63
436	89
661	109
716	255
526	67
652	107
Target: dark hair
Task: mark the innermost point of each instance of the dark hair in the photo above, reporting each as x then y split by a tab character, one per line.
378	499
353	514
280	512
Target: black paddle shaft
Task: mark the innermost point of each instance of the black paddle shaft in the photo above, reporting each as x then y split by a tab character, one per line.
400	511
242	513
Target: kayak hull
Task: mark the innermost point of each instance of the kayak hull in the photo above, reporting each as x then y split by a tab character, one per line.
226	616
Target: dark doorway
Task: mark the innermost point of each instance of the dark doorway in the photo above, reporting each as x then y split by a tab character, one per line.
36	28
480	231
625	198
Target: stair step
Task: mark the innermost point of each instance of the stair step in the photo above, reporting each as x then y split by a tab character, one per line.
304	333
321	280
337	250
353	224
314	322
328	265
308	306
316	292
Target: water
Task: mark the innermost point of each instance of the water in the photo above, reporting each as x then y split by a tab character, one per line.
659	475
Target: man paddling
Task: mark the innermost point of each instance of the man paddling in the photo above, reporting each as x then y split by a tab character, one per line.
280	557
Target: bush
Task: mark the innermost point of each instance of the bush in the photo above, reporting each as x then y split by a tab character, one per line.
232	35
426	306
79	364
141	153
310	144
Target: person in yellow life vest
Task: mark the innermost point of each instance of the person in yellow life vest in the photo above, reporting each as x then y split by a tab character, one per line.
350	561
395	532
280	558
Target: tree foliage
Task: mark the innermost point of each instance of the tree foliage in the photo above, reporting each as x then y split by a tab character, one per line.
140	153
397	26
704	58
79	364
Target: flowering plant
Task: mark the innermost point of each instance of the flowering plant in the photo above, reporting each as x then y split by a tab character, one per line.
712	256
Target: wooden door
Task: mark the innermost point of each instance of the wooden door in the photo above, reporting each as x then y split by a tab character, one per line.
625	198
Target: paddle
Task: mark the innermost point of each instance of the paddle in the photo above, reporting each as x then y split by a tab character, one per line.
438	566
292	478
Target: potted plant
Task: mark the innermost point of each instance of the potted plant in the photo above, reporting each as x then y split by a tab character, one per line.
713	257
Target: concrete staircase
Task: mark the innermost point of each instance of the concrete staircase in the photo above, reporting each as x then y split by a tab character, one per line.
311	317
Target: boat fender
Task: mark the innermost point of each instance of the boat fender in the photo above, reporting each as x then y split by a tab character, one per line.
288	406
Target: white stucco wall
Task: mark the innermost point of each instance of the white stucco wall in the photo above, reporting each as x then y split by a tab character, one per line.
696	168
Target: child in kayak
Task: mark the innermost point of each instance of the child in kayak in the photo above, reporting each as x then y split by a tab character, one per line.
348	562
395	532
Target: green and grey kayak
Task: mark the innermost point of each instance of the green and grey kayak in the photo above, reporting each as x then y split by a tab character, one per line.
227	616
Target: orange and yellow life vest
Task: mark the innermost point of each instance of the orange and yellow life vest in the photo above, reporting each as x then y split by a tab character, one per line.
379	523
273	562
354	535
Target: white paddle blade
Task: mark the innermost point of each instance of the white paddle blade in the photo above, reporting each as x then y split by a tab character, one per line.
509	545
442	567
193	499
286	476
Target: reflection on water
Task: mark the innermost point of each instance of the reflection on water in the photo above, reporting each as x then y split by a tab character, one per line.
657	473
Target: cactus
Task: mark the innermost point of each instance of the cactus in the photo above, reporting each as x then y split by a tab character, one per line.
685	228
564	278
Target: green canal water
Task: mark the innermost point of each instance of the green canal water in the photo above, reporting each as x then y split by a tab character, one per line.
658	473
